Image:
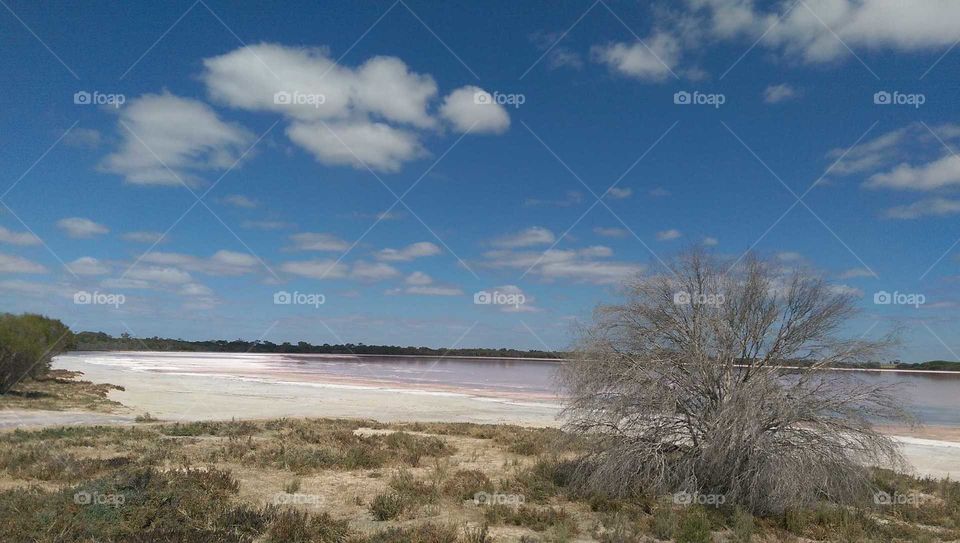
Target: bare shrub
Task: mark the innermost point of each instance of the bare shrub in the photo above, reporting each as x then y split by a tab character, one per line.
714	379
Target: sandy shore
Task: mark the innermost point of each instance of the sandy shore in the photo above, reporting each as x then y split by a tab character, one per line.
933	451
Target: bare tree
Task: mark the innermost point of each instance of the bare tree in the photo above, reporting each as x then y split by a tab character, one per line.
715	380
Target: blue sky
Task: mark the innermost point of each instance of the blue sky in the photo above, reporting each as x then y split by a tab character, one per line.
537	150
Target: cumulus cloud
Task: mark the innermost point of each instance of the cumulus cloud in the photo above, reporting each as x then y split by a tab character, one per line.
619	193
79	227
710	241
87	265
434	290
18	238
332	269
653	59
535	235
166	139
472	109
579	265
410	252
668	235
220	263
359	144
144	237
165	275
16	264
774	94
930	207
940	173
315	241
418	278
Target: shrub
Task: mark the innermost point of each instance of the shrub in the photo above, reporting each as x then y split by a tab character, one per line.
387	506
694	527
27	345
464	484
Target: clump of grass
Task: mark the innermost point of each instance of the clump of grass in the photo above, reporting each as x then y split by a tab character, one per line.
294	526
425	533
387	506
464	484
292	487
537	519
694	527
414	491
664	523
742	526
476	534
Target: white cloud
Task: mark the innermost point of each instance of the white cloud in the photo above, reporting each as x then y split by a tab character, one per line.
433	291
220	263
16	264
250	77
158	274
610	232
410	252
163	132
314	241
789	256
774	94
940	173
650	60
931	207
239	200
668	235
855	273
145	237
473	109
535	235
78	227
18	238
822	30
316	269
710	241
570	264
618	193
359	144
87	265
418	278
332	269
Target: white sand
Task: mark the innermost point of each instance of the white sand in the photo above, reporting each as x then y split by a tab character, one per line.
192	397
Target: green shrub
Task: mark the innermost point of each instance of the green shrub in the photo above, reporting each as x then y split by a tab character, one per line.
694	527
464	484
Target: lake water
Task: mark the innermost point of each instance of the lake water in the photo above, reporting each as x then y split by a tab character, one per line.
934	398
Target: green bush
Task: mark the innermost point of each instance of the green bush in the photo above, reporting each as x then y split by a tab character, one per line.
694	527
27	345
387	506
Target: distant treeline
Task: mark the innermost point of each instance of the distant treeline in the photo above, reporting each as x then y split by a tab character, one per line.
100	341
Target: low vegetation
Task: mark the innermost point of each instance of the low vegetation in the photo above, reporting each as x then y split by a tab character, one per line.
318	480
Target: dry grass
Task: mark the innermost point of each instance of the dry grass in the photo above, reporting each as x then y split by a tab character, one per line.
361	482
60	390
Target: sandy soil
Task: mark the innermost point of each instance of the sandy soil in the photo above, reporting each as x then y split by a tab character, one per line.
933	451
